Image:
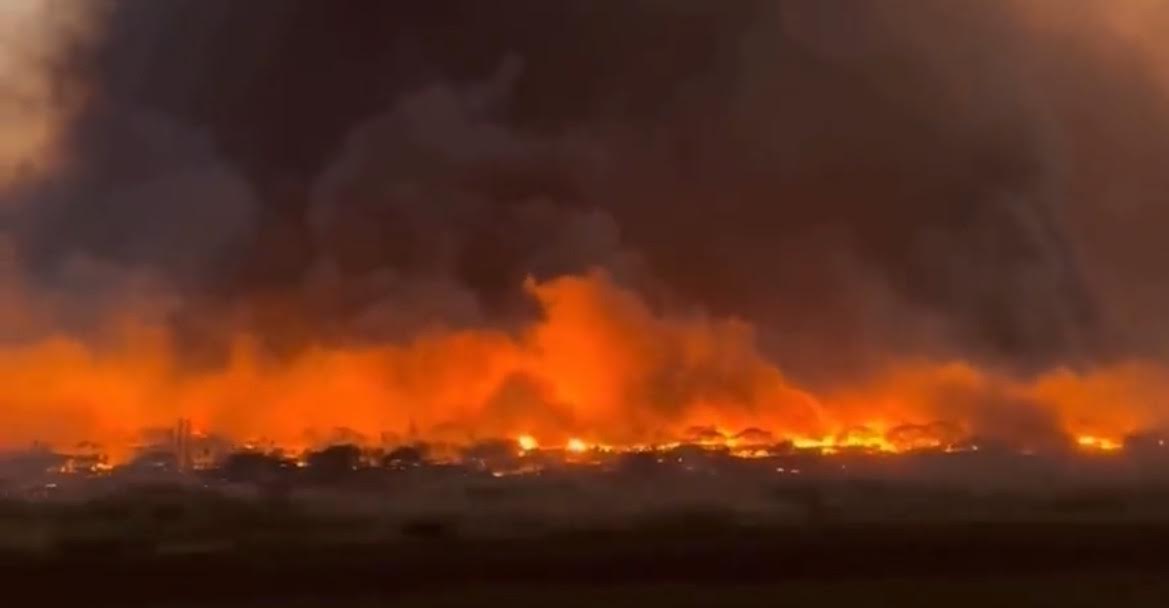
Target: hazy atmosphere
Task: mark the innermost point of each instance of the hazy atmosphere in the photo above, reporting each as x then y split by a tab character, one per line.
614	221
580	302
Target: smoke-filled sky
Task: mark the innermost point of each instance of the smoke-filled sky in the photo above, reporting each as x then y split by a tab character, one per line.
764	193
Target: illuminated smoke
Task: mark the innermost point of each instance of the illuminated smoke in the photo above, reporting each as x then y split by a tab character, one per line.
599	365
36	37
833	222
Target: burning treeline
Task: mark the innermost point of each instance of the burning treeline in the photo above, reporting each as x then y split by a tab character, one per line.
598	368
902	236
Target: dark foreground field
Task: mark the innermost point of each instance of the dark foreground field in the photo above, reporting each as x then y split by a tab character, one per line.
1065	591
873	565
731	536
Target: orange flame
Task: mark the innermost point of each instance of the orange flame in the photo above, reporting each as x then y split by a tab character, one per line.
599	364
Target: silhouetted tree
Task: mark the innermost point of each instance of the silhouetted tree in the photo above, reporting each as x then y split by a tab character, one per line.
254	467
405	457
155	460
334	462
491	454
638	463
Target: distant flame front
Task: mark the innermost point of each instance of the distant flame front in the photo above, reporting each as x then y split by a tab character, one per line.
599	364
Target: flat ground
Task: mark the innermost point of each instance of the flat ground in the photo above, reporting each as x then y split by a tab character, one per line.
970	565
1055	591
583	541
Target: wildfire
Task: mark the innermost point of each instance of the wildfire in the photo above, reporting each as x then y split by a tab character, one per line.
576	446
527	443
1102	444
598	363
830	445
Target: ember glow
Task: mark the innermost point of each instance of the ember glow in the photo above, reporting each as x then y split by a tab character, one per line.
576	446
1098	443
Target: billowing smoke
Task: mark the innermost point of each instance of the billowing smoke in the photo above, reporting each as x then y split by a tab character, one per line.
36	40
846	200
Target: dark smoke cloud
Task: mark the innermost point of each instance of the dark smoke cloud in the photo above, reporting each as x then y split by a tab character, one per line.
860	179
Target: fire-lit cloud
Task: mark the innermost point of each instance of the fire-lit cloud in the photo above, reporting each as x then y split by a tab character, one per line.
894	224
35	95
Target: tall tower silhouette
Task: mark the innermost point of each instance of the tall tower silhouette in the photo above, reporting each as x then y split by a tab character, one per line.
183	445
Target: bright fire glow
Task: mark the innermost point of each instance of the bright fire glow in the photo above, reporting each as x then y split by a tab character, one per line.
527	443
1098	443
576	446
829	445
597	363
